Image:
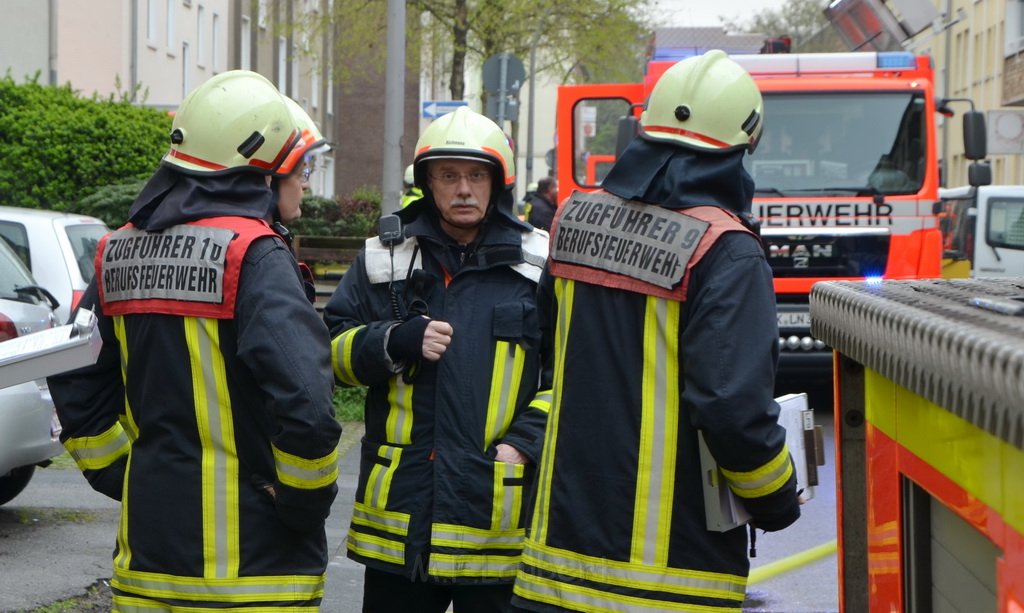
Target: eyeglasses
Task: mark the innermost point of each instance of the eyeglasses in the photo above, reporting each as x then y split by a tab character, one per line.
308	170
448	177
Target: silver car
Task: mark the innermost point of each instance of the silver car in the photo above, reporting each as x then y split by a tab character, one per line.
29	428
58	248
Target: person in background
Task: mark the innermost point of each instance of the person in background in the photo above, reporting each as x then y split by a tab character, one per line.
291	181
411	193
208	412
438	319
543	204
648	357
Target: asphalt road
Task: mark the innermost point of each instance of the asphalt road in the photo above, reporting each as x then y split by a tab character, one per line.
56	540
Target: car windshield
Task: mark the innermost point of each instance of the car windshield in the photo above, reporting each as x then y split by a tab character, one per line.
84	238
842	143
13	274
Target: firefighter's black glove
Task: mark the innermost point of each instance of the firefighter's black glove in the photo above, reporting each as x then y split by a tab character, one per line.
405	343
775	515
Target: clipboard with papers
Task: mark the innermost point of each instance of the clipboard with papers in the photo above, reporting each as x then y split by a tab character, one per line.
723	509
48	352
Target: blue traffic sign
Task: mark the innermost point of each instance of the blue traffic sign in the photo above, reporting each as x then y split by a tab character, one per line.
432	109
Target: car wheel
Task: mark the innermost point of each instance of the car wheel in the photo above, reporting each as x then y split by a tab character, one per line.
13	482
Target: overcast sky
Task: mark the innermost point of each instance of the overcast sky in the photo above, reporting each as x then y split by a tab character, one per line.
692	13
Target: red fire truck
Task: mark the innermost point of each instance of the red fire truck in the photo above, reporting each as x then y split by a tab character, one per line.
846	172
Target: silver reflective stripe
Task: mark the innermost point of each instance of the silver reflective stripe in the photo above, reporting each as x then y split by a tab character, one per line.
304	473
95	452
764	480
388	521
399	423
235	589
445	535
564	298
448	565
219	522
706	584
507	372
659	433
375	547
378	483
508	498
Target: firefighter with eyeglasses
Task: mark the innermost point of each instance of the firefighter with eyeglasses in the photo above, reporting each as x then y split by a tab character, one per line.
659	305
437	318
209	411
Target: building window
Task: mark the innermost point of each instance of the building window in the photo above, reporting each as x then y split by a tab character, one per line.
282	63
314	86
245	61
295	72
1014	41
215	43
330	90
186	84
262	14
200	36
170	27
151	22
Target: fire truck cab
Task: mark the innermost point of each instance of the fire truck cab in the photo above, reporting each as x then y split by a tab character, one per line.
846	173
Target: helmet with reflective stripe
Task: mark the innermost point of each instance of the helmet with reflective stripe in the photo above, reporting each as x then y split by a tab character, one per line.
235	121
465	134
707	102
310	139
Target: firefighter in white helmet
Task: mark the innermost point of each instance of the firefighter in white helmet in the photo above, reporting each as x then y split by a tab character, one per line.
666	328
438	320
208	412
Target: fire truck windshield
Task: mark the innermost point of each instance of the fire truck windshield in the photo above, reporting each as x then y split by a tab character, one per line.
840	143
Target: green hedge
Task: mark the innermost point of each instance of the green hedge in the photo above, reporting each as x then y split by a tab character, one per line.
56	147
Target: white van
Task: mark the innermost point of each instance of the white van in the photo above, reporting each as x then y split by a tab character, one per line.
983	230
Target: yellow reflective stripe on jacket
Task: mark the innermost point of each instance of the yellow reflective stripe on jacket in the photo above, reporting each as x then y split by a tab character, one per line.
561	567
127	419
394	522
508	499
378	483
763	480
473	565
284	588
378	546
341	356
398	427
505	379
659	428
100	451
542	401
128	604
306	473
564	294
220	471
464	537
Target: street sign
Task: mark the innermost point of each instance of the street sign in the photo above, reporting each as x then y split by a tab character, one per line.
432	109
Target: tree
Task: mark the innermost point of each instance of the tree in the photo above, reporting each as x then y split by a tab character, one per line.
803	20
571	47
57	147
461	31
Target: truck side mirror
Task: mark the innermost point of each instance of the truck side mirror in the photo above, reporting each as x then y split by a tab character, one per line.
975	147
979	174
628	128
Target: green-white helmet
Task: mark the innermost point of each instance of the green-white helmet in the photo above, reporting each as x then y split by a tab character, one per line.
465	134
310	139
707	102
409	177
235	121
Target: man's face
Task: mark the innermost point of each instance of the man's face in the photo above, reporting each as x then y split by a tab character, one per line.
462	190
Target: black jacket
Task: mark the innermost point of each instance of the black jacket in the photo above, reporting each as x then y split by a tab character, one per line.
431	498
